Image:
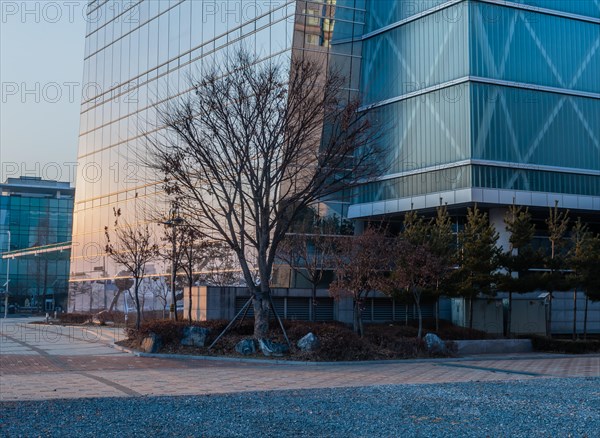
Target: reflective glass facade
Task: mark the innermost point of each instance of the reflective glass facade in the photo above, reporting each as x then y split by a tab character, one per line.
484	94
473	94
139	56
38	214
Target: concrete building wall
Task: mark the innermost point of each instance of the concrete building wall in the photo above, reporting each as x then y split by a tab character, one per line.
562	313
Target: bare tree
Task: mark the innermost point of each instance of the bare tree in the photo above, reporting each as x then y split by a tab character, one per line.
220	269
360	264
175	240
309	251
122	283
198	253
78	288
132	247
254	145
160	291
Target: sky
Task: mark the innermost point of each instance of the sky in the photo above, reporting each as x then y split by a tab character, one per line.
41	70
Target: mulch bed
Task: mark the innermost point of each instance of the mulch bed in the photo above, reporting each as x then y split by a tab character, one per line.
337	341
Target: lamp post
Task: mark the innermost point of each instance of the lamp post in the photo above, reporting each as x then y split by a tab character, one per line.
172	223
7	278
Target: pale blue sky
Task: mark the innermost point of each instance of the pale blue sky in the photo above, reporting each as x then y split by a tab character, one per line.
41	69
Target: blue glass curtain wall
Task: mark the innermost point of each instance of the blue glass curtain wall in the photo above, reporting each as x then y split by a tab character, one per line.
514	45
535	181
384	12
426	130
417	55
414	185
532	127
588	8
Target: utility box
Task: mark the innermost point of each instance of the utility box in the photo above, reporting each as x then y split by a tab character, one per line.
528	316
488	314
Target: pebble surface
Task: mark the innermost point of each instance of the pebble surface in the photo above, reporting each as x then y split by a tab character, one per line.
527	408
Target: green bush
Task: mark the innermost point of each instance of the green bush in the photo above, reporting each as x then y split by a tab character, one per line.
550	345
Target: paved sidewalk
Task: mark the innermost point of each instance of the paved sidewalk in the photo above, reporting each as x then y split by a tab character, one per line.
48	362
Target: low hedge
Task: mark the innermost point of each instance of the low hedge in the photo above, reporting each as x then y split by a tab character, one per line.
74	318
550	345
338	341
169	331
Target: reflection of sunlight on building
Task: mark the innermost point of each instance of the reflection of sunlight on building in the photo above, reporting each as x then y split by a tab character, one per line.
476	101
318	22
137	67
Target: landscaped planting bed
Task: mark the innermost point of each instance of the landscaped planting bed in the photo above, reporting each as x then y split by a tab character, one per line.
337	341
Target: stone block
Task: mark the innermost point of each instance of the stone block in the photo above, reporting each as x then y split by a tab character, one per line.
194	336
270	348
246	347
152	343
309	343
434	344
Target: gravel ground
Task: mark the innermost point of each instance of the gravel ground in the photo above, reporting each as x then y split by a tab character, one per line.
529	408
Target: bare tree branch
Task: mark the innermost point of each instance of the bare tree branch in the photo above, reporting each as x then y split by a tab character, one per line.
256	144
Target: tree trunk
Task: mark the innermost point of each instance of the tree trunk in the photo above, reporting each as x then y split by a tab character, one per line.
190	285
313	303
585	318
261	305
355	312
471	300
420	332
136	296
115	300
575	314
549	330
509	315
437	314
357	325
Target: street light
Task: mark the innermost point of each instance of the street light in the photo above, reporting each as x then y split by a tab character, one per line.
174	222
7	278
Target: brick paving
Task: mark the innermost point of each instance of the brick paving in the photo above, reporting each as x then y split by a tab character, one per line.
38	363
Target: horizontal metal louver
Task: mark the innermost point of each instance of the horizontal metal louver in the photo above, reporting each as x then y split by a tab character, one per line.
239	303
277	301
402	312
298	308
324	309
279	304
383	309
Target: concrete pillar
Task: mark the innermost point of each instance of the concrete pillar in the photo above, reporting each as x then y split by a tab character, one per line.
344	310
496	216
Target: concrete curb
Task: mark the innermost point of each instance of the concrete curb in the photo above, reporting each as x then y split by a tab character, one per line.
470	358
494	346
345	363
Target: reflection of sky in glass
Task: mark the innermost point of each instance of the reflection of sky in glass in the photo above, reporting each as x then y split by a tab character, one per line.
143	59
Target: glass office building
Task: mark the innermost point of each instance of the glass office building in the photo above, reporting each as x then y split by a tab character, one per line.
139	56
35	230
485	101
482	101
